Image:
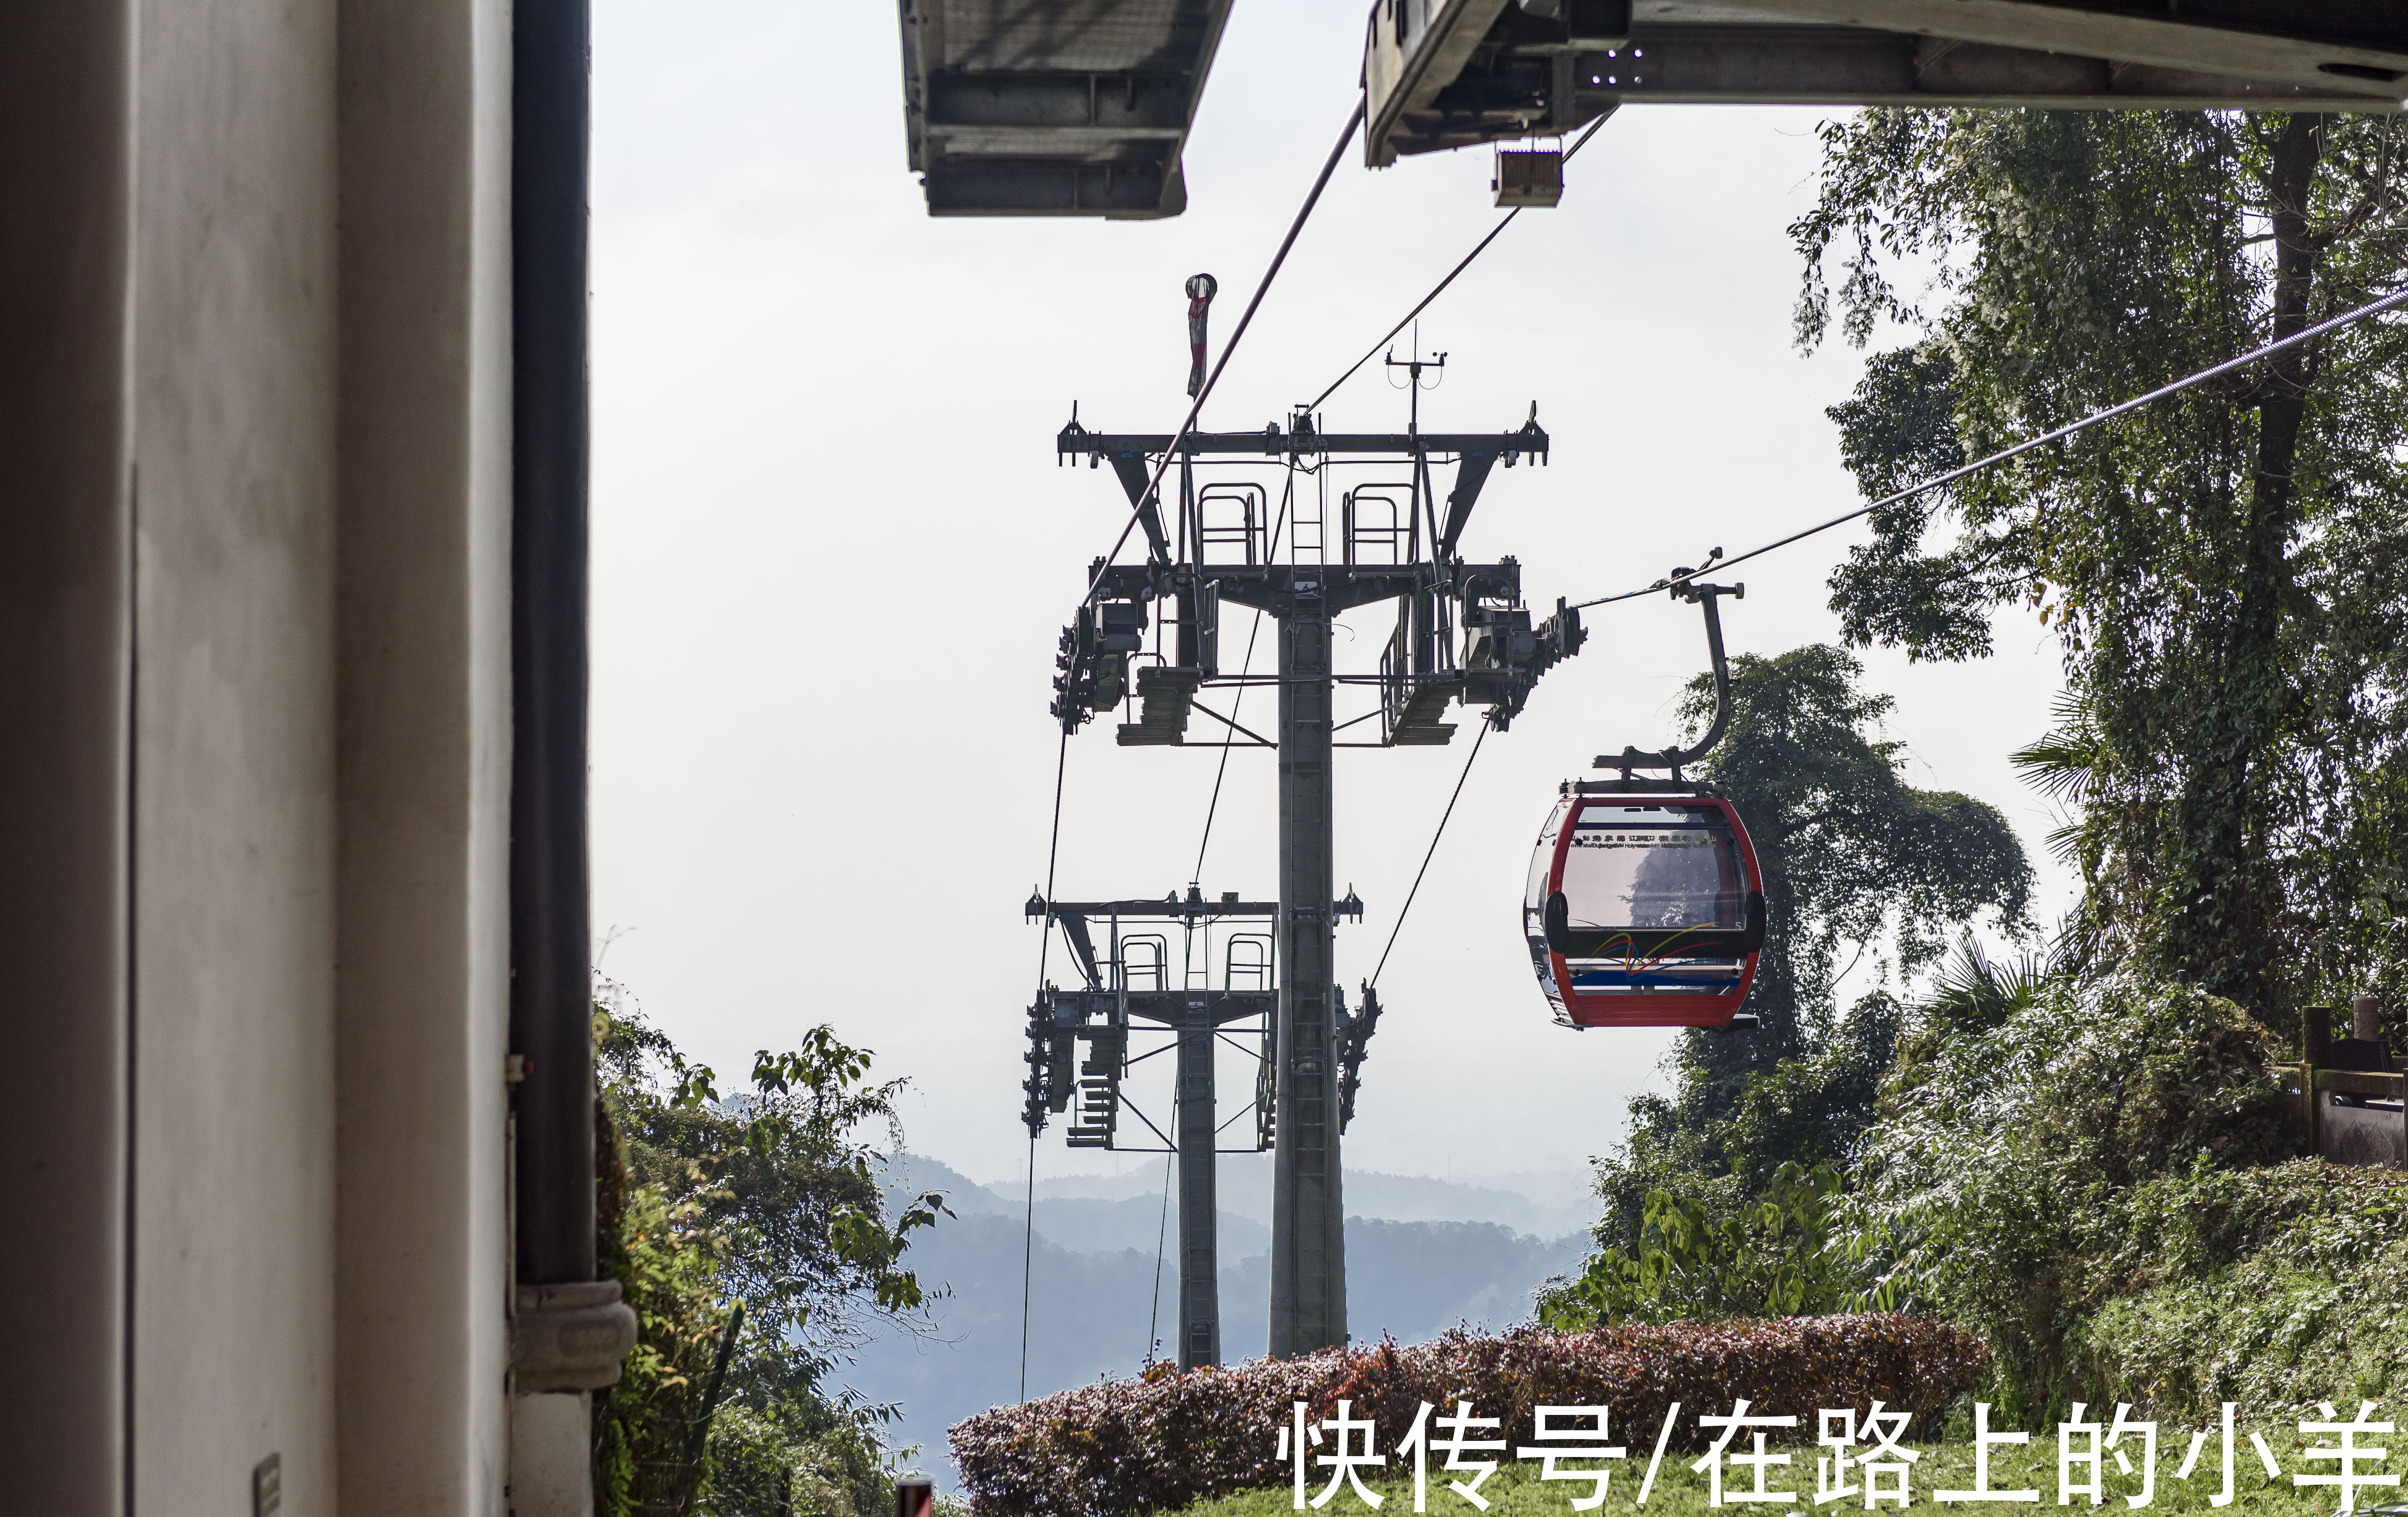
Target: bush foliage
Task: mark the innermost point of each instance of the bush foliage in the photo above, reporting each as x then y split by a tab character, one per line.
1169	1437
2277	1288
2013	1166
1771	1256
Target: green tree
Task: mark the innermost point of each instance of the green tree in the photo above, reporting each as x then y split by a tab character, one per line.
2223	569
753	1238
1852	854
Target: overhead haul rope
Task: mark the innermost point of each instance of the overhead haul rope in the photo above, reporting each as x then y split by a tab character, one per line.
1467	761
1440	288
1254	302
2310	333
1029	1238
1352	369
1161	1245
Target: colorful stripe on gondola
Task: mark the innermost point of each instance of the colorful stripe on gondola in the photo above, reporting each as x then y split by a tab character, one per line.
1663	979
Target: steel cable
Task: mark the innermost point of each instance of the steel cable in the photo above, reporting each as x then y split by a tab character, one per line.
1458	268
1044	944
1253	303
1427	857
1354	120
1161	1246
2397	297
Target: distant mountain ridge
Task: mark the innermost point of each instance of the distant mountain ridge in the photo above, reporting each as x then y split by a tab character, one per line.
1104	1274
1080	1223
1544	1203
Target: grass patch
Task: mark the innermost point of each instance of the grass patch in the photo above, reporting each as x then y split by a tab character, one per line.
1516	1491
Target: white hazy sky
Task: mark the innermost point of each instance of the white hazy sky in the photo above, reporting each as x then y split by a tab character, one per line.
832	550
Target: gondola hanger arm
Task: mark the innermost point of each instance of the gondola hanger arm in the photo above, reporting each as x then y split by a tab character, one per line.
1682	587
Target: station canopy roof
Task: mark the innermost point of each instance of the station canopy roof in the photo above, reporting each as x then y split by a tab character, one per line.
1054	107
1448	73
1081	106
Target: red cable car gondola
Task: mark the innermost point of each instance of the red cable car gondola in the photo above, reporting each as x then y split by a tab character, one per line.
1645	905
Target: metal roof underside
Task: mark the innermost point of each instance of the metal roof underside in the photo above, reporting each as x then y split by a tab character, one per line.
1054	107
1450	73
1081	107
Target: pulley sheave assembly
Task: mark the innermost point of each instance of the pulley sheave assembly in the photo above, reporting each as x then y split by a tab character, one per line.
1645	904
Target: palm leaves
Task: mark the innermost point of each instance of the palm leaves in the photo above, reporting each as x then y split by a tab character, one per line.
2068	765
1972	990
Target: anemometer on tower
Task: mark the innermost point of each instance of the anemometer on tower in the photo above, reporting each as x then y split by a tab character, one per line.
1651	911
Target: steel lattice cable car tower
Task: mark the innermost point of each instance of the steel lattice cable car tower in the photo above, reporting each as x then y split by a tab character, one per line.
1462	634
1129	990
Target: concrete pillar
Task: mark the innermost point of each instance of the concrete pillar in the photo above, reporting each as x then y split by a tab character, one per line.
65	662
423	749
258	724
233	376
551	1469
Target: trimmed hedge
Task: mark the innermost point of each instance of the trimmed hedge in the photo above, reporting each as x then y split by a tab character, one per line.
1171	1438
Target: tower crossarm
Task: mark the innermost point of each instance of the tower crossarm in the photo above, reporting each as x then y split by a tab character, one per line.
1342	588
1098	448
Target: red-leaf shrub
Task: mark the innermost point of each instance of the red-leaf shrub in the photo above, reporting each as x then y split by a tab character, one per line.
1162	1442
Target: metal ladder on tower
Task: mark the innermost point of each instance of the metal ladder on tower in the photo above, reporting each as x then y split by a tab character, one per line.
1100	1089
1308	533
